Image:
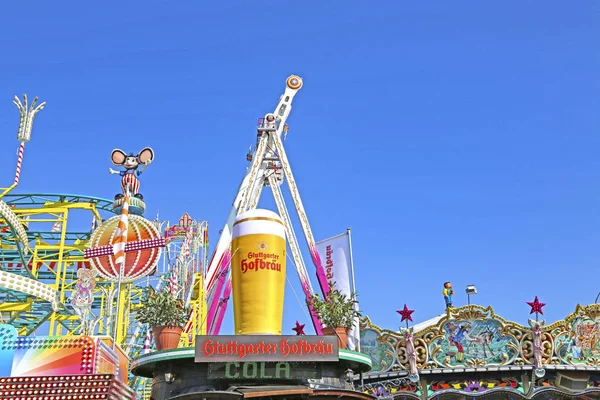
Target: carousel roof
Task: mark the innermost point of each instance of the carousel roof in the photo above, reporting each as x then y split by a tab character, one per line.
471	349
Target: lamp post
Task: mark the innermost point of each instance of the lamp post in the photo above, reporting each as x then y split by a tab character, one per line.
471	289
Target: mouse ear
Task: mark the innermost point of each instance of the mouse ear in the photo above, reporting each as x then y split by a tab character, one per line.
147	154
118	157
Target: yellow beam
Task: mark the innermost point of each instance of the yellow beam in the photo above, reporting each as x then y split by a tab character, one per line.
54	247
58	208
123	316
54	207
67	318
30	220
60	271
15	307
5	191
198	314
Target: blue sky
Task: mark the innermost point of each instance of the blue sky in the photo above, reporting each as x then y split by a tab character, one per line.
458	140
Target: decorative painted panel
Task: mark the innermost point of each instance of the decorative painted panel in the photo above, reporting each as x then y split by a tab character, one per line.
577	338
382	353
473	336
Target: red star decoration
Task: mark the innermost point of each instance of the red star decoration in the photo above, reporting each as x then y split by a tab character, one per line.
299	329
405	313
536	306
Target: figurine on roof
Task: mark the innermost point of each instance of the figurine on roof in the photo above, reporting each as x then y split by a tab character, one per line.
538	346
411	353
131	163
448	292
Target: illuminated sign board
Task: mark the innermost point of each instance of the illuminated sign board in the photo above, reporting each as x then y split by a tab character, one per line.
264	370
266	348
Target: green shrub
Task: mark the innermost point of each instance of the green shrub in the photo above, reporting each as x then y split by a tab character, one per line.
338	310
162	309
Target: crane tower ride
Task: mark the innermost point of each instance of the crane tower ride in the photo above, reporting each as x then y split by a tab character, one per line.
267	162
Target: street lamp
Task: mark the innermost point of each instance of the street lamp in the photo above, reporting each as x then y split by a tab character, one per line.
169	377
471	289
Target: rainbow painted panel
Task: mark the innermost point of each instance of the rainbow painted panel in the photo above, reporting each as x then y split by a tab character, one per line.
45	356
8	335
58	356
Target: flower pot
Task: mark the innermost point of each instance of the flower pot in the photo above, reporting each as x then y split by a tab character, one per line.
156	331
169	337
340	332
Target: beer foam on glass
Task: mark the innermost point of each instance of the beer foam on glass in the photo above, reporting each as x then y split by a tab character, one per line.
258	272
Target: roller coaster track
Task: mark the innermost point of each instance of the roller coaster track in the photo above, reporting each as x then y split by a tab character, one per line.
53	198
51	258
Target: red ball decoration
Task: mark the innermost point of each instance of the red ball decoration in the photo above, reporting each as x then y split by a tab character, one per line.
138	263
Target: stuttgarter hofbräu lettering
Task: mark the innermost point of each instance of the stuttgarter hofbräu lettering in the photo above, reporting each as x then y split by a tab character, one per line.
302	347
328	262
261	260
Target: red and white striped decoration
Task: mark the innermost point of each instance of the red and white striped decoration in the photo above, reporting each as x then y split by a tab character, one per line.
19	162
130	182
120	240
50	265
186	245
56	227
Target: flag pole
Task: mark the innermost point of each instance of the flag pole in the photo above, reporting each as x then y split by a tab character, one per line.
122	241
349	230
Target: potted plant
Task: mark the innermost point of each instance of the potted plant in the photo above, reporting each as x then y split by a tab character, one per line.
166	315
337	313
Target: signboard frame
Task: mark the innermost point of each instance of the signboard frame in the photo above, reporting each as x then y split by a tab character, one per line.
266	348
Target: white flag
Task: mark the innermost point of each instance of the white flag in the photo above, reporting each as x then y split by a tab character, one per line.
336	261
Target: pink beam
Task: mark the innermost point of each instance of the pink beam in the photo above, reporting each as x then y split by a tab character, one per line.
218	304
323	282
222	308
313	315
223	266
215	300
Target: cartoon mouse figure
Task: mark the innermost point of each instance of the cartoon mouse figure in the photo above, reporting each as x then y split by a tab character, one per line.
130	163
